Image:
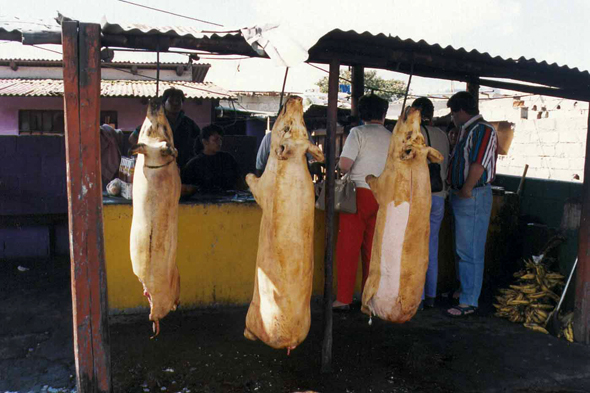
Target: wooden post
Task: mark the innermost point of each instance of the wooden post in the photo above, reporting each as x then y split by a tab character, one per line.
473	88
81	57
582	302
358	89
329	150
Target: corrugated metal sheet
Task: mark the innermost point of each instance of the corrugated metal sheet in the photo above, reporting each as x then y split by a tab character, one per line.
18	24
111	88
53	62
173	31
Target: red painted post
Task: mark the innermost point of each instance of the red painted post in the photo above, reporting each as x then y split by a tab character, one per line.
582	303
81	57
329	147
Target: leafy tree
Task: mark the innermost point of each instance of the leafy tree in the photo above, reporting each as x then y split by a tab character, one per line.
389	89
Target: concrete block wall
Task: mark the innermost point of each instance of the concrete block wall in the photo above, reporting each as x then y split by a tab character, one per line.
554	145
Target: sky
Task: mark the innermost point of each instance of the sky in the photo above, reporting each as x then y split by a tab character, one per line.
547	30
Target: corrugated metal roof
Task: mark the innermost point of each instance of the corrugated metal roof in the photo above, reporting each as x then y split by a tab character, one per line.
111	88
433	60
364	49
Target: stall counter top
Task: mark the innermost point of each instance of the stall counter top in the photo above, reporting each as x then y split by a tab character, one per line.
229	197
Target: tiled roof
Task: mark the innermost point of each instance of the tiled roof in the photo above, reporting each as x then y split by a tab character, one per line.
111	88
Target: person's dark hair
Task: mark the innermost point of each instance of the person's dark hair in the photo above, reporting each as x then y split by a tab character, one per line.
426	108
209	130
372	107
172	92
463	100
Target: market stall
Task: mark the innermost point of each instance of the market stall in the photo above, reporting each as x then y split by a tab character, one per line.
82	43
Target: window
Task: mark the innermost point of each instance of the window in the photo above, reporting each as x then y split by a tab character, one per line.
41	122
109	117
36	122
524	113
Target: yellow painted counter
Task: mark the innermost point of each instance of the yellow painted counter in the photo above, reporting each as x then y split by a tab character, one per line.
217	245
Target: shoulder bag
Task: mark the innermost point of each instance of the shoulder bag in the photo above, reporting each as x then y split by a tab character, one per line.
436	183
344	196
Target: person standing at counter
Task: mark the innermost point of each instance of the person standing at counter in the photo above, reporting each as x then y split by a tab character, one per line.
212	170
184	130
436	138
472	168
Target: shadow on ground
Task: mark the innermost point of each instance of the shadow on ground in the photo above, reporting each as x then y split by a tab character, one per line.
205	351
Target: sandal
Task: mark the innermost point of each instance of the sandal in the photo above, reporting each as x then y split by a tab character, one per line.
463	311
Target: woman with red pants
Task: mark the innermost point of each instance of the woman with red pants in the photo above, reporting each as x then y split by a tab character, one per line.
364	153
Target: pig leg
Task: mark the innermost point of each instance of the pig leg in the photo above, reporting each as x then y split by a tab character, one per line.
253	182
434	155
373	183
315	152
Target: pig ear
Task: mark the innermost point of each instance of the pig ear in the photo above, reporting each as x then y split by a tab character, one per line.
137	149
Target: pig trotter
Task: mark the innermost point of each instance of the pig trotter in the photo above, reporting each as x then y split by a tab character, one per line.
156	328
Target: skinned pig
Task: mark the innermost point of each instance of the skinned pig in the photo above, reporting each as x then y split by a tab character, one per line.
279	314
399	257
154	228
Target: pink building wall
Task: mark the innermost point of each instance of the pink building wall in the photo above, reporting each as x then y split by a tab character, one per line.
130	111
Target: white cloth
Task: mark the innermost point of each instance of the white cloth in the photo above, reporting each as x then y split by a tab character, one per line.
440	141
279	43
367	146
263	152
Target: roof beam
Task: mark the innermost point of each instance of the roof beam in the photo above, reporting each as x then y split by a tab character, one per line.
580	95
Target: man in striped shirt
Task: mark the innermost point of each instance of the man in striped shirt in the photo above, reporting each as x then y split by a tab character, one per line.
471	170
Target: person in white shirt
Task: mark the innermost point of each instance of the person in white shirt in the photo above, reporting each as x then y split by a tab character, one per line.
364	153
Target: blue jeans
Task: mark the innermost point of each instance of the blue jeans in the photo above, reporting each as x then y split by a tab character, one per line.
472	218
437	212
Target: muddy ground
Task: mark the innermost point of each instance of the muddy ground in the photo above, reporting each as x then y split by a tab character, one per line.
204	350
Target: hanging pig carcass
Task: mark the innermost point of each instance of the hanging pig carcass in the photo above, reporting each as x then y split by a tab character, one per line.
399	257
154	228
279	313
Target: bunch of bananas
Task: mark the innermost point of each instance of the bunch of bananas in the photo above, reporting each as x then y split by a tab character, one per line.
567	327
533	299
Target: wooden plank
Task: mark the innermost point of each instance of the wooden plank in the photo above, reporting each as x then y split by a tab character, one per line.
582	302
329	148
473	88
582	95
357	89
81	54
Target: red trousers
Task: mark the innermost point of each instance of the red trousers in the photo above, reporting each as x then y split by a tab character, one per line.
355	234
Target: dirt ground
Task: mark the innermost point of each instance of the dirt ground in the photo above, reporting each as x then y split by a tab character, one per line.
204	350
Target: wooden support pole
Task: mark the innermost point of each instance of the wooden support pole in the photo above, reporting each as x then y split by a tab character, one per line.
582	302
358	89
329	152
473	88
81	57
